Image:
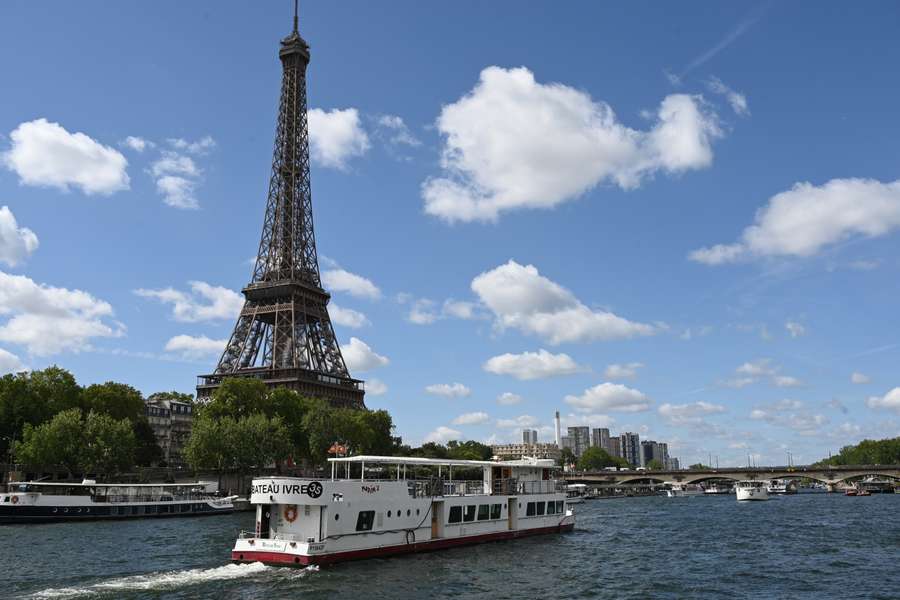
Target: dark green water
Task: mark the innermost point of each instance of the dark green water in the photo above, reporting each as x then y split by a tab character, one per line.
803	546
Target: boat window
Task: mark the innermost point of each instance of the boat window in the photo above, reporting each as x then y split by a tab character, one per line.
559	506
540	508
389	514
455	514
529	509
336	516
484	512
408	512
551	508
495	511
470	513
364	520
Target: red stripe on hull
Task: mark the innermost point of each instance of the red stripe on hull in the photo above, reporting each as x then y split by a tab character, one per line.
284	559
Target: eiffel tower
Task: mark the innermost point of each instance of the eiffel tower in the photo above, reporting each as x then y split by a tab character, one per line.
283	335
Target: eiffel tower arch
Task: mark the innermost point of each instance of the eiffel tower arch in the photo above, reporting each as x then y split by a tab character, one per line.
283	334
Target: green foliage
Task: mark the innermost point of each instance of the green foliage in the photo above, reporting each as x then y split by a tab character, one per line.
244	443
469	450
118	400
567	457
109	444
867	452
699	467
32	398
594	459
147	451
655	465
239	397
96	443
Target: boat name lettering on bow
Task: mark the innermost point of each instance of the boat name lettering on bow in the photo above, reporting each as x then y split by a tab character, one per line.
312	489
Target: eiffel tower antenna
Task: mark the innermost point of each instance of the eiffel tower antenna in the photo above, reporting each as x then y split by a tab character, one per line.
283	334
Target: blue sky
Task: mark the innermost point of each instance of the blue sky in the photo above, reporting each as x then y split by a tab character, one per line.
675	220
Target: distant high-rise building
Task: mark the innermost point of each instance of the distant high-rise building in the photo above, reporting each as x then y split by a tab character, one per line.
631	448
649	451
580	438
615	447
600	438
558	438
529	436
566	442
673	464
663	457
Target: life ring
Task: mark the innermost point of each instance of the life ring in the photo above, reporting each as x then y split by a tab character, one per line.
15	500
290	513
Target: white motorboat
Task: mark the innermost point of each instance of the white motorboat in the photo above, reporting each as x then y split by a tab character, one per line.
751	490
576	493
781	486
388	505
679	490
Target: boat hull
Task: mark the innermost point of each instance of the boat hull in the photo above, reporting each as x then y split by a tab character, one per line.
287	559
12	515
752	494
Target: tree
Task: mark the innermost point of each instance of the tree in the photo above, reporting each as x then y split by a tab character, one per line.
566	457
594	459
209	446
18	407
867	452
147	451
468	450
118	400
60	441
239	397
109	444
699	467
655	465
56	390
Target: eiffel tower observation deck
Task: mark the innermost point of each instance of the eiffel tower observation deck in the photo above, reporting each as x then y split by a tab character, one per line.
283	334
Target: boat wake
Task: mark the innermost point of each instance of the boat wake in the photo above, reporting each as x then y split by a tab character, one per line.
169	580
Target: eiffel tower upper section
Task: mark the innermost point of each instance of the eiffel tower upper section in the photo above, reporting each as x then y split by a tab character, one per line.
283	335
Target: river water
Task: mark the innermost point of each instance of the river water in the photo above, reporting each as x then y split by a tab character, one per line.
802	546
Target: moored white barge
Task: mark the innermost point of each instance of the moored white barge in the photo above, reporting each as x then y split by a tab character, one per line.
412	505
54	501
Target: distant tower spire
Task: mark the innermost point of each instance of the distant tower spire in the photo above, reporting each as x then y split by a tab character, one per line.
295	16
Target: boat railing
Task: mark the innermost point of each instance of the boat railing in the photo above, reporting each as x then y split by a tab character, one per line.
120	498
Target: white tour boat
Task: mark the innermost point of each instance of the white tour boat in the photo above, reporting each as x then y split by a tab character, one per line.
393	505
751	490
781	486
50	501
718	489
576	493
679	490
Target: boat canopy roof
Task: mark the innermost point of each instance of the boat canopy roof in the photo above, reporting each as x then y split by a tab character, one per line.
544	463
110	485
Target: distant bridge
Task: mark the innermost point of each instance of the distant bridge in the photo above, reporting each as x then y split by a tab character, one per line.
831	475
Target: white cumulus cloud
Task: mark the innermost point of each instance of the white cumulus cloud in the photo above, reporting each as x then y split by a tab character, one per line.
890	401
347	316
689	414
532	365
45	154
737	100
520	421
10	363
48	320
509	399
610	397
204	302
472	418
16	243
360	357
521	298
376	387
336	136
513	143
191	347
627	371
340	280
449	390
859	378
442	435
805	219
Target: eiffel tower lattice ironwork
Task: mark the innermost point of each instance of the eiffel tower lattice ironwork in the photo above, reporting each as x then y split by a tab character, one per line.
284	335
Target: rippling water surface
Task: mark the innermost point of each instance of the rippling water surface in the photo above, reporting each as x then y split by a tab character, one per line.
803	546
